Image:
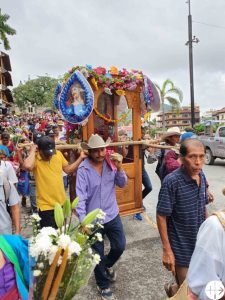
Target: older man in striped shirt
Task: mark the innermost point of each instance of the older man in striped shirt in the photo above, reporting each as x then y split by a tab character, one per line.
181	210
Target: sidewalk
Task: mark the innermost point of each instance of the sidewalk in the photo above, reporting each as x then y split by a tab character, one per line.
140	274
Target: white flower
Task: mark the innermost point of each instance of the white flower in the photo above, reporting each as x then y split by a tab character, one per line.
90	251
96	259
36	273
90	226
101	215
40	265
84	71
74	248
48	231
52	253
36	217
41	245
99	225
64	241
99	237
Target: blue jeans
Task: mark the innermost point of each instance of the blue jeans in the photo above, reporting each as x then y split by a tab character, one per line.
114	231
32	192
146	183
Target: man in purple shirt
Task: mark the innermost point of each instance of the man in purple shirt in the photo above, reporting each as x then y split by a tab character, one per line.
96	187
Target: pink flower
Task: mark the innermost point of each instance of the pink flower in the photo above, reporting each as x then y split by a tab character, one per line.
100	70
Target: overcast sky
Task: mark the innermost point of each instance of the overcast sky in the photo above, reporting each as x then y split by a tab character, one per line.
54	35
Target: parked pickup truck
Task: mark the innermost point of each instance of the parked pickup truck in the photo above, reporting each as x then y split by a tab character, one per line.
215	145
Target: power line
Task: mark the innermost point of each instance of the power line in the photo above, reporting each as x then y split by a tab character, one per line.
211	25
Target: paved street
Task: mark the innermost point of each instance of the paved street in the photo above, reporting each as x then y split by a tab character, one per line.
140	272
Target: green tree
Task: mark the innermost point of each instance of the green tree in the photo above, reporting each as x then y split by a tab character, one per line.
199	128
5	30
38	91
170	93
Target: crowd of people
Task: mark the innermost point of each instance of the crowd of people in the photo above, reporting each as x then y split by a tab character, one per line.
181	212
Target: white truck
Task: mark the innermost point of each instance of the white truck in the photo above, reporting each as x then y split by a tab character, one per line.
214	144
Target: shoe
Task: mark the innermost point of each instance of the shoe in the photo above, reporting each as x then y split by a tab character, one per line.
138	217
23	202
111	274
171	289
106	294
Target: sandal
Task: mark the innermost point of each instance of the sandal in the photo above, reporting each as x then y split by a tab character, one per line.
168	289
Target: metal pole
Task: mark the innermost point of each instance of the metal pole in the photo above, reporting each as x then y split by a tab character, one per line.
190	43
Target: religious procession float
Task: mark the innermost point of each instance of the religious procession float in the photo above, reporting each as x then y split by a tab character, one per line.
110	103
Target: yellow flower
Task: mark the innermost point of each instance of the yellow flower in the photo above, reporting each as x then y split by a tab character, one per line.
114	70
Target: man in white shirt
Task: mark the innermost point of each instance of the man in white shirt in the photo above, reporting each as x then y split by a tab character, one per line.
208	260
6	168
8	190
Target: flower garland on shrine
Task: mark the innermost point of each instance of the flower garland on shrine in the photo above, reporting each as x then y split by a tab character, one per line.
113	80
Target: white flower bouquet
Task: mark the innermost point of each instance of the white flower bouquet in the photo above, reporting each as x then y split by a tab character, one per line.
63	258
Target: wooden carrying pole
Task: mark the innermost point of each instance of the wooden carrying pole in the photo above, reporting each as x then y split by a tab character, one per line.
147	143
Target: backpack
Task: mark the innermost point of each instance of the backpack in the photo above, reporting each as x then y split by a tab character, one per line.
160	168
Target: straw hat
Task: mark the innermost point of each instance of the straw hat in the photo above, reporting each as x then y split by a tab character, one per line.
95	142
60	123
170	132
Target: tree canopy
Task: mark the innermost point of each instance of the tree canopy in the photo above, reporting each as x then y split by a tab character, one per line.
38	91
5	30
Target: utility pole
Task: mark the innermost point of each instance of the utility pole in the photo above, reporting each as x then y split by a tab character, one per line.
190	42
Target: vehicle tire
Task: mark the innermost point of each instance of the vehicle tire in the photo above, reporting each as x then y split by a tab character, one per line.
209	158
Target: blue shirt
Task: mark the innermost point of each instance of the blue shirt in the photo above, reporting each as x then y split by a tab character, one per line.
98	191
183	202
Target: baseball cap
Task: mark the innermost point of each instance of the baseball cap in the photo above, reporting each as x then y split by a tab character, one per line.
36	136
187	135
46	145
50	132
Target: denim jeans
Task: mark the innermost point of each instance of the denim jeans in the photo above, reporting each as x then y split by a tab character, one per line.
32	192
114	231
146	183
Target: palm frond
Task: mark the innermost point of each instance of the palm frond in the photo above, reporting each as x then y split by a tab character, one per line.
167	83
173	102
3	18
177	92
5	41
5	30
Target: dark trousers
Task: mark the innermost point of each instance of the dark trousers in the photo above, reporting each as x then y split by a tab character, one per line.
114	231
146	183
47	218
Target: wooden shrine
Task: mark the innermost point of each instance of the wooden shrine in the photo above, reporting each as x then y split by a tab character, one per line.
110	103
129	198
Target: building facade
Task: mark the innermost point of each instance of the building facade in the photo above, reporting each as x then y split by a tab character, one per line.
219	115
181	118
6	98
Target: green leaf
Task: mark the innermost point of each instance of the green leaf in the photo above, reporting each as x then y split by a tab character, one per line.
90	217
75	202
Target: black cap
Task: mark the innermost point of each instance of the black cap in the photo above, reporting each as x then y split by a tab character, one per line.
36	136
50	132
46	145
